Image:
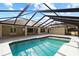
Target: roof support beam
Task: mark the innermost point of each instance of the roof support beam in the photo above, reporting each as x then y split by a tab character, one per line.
30	18
55	10
50	9
67	21
55	24
38	21
48	23
21	12
44	22
7	19
70	17
10	10
15	16
11	24
61	10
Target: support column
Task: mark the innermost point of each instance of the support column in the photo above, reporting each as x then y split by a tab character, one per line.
0	30
25	31
46	30
66	29
78	31
39	30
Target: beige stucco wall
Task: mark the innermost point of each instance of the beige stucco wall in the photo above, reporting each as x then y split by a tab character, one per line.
58	30
0	30
38	30
25	31
6	30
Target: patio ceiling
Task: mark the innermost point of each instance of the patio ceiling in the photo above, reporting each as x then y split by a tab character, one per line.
74	20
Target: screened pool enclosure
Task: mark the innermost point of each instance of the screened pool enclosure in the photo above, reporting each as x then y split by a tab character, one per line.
43	16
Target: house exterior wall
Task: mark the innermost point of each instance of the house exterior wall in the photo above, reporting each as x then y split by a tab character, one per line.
57	30
6	31
19	31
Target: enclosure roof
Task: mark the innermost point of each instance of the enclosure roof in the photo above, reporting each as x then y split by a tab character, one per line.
39	14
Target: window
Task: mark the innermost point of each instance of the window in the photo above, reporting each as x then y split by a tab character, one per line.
42	30
13	30
30	30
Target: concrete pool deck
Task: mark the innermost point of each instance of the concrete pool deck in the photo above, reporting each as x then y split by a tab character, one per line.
68	49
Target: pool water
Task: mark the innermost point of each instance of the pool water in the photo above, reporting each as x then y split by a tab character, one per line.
36	47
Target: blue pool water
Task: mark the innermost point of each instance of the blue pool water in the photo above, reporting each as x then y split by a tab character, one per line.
36	47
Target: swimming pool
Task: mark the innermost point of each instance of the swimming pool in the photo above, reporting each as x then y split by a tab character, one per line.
36	47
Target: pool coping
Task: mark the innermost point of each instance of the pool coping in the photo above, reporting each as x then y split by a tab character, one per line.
5	51
39	38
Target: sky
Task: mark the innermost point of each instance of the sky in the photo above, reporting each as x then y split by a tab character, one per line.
35	6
